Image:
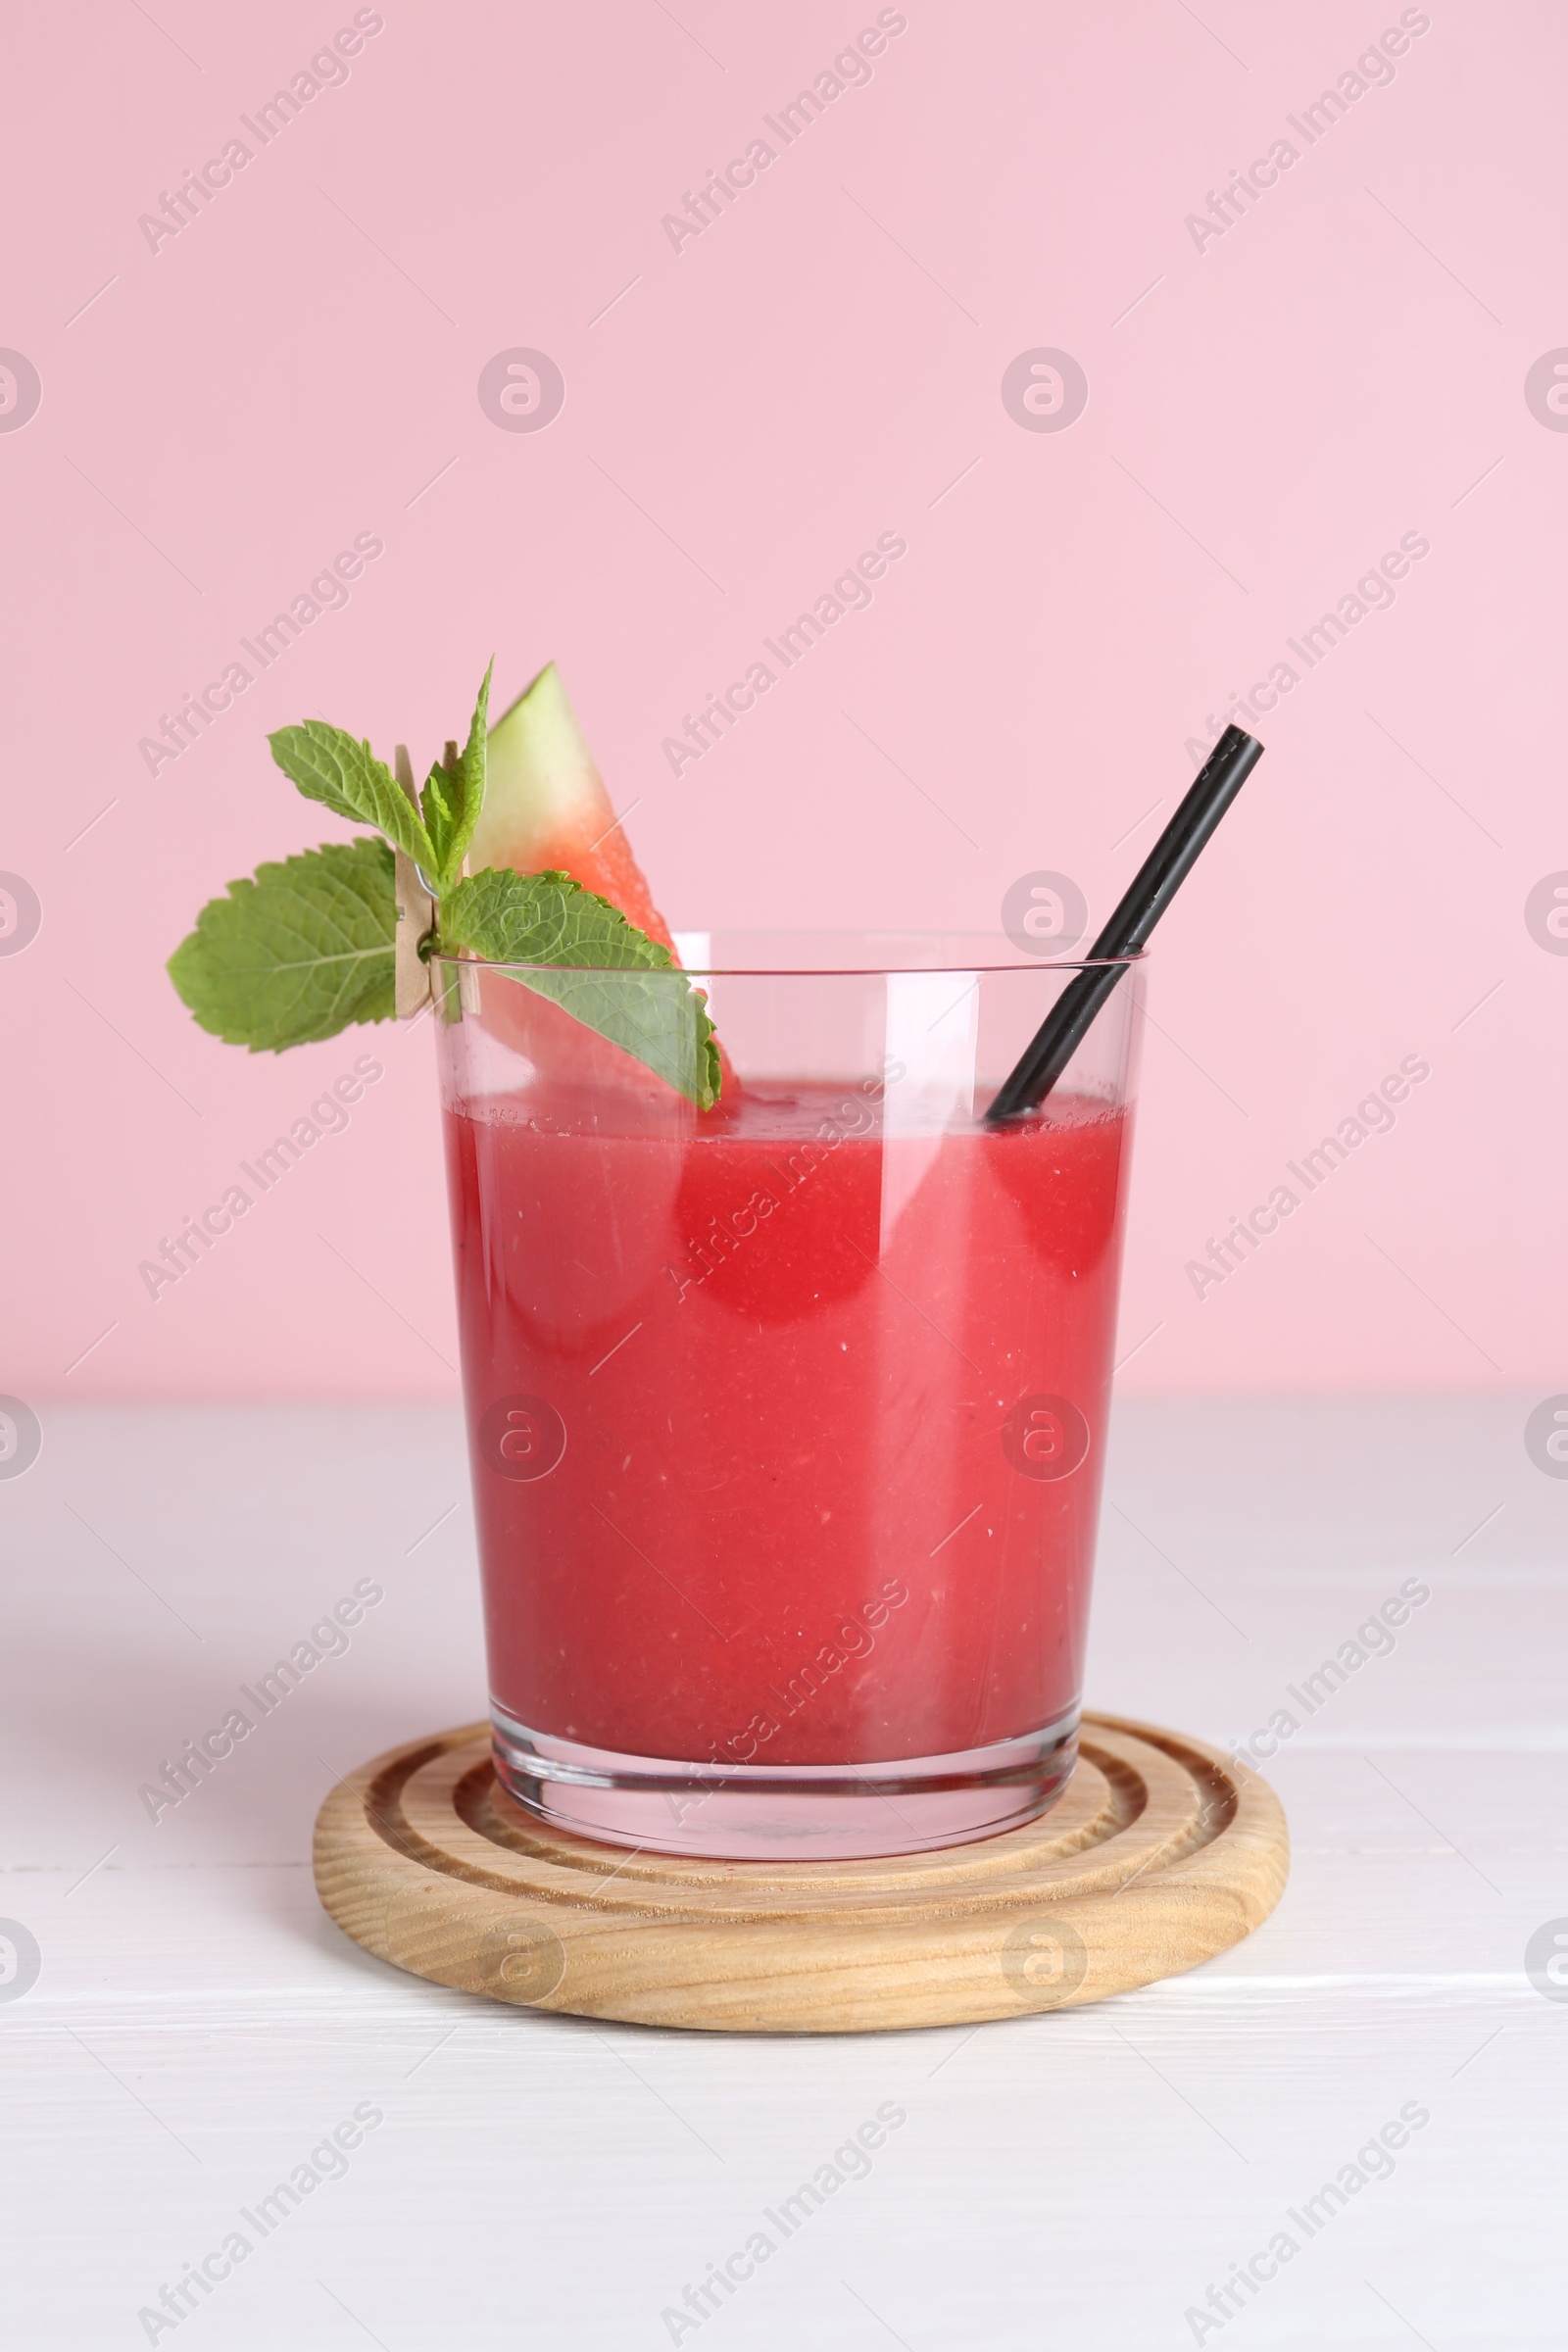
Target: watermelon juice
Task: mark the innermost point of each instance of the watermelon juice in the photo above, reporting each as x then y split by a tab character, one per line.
787	1426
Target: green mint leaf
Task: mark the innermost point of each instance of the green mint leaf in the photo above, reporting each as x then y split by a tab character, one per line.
326	764
296	953
601	969
453	798
509	917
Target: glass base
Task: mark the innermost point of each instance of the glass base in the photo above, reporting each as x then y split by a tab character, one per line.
789	1812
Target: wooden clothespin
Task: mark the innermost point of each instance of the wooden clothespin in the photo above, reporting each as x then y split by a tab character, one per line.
416	913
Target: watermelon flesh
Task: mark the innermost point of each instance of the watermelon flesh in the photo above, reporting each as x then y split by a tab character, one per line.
546	810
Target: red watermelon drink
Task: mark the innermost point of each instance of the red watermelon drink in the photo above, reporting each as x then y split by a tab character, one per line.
787	1277
787	1416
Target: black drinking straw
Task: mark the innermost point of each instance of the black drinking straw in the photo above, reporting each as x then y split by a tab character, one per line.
1154	886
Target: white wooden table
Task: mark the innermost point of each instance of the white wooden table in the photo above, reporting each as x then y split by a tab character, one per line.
197	2028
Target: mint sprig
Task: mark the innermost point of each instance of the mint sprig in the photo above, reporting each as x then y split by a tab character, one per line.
307	946
509	917
453	798
563	942
297	953
326	764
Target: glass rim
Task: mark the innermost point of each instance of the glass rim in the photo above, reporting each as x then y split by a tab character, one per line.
996	955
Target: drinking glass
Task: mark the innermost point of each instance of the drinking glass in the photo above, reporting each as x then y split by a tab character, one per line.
787	1419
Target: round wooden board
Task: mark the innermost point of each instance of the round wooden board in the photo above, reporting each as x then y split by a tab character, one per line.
1161	1852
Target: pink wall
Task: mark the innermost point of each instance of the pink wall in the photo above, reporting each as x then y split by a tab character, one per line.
1267	414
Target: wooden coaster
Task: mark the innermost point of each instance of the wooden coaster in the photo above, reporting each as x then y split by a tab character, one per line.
1163	1852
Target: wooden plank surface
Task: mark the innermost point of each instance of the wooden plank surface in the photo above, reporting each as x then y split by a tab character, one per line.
199	2028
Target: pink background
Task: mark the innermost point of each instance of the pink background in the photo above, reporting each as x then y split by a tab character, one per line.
1345	365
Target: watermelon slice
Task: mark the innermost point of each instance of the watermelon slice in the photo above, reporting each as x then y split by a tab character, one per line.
546	808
